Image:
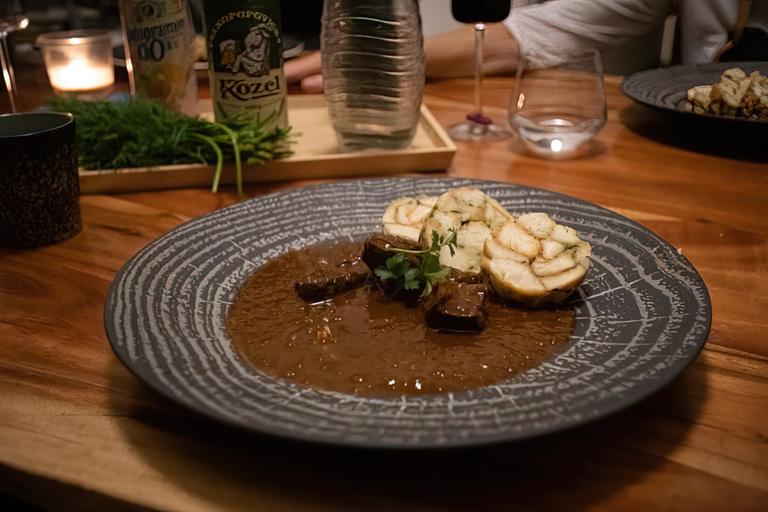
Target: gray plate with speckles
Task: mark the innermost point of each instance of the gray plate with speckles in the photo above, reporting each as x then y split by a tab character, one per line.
667	88
643	315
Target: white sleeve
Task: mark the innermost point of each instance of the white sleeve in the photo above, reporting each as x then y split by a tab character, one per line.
705	27
551	31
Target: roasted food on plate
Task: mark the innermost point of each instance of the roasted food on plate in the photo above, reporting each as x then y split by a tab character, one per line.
735	95
529	259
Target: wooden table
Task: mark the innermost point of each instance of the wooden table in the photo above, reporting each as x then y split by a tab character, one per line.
78	431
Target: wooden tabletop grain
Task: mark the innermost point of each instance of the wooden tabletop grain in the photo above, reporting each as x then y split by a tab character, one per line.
78	431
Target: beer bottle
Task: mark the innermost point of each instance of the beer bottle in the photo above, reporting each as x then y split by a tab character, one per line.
245	59
158	37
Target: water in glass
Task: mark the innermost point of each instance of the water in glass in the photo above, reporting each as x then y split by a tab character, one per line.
557	109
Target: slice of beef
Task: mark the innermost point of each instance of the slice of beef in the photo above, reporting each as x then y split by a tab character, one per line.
376	249
328	281
456	306
460	276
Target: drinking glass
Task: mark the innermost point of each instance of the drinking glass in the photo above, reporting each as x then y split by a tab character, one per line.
556	109
479	127
12	18
39	181
79	62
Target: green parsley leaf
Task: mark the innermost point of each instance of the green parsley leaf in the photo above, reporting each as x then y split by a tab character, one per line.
384	274
429	272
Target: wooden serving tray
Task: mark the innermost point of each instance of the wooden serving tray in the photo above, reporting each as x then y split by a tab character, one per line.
315	155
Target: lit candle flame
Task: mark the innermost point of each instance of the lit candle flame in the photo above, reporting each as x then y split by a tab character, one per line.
80	75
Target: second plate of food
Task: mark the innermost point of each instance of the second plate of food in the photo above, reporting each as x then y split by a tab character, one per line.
667	88
640	316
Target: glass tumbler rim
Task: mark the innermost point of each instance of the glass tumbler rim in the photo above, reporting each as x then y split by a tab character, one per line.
74	37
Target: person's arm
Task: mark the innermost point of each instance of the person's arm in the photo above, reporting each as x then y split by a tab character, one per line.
545	33
447	55
452	54
552	31
306	72
708	27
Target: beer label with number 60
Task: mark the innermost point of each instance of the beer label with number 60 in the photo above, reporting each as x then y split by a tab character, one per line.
158	34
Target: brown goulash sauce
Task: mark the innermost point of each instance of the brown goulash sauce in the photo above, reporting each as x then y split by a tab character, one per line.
359	343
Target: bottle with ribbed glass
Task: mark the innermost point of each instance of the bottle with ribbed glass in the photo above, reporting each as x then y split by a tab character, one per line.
373	71
158	37
245	59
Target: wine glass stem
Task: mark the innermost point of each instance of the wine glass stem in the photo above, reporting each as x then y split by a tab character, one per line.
479	43
5	63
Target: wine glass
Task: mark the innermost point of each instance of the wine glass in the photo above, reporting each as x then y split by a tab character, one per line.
557	109
12	18
479	127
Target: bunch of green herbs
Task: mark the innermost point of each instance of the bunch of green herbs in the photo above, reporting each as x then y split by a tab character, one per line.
429	271
144	133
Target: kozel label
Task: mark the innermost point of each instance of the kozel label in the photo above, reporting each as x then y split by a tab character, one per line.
244	90
244	51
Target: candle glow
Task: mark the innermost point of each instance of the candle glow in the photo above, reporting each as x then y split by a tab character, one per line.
80	75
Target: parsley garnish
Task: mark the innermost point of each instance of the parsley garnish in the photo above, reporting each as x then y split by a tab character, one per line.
429	272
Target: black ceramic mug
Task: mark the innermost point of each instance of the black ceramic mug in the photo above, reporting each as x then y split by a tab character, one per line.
39	181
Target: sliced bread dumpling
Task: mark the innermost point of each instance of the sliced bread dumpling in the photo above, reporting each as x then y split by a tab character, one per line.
529	259
405	217
533	260
473	215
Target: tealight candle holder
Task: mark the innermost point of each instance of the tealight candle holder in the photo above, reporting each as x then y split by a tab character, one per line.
79	62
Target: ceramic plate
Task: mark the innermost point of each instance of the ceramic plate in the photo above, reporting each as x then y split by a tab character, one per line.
643	315
667	88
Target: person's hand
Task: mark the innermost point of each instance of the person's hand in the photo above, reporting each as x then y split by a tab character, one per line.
306	71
